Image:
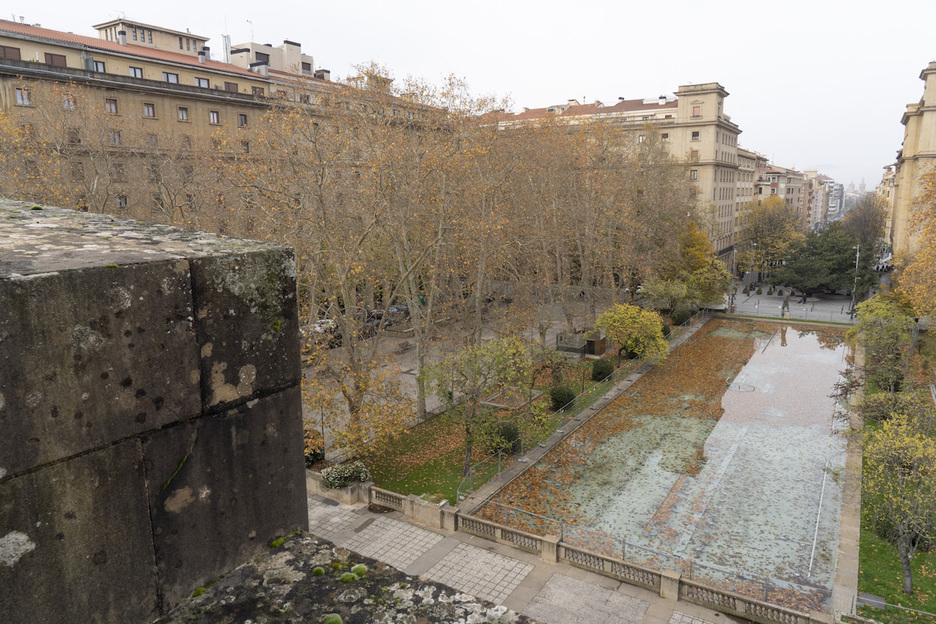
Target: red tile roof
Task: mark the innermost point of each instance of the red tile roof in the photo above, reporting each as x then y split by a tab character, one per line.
574	110
7	26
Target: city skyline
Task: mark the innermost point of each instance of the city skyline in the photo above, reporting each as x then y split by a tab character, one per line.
811	86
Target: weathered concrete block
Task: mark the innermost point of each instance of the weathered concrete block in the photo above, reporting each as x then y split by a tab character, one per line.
234	481
75	541
93	355
246	311
150	418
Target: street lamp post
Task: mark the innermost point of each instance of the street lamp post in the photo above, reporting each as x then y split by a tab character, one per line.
855	285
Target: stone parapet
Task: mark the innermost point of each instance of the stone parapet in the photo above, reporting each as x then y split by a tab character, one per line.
150	412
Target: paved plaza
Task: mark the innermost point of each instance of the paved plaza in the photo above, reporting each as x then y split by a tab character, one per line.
549	593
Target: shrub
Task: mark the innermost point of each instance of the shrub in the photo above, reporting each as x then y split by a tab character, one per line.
503	437
601	369
344	474
681	316
332	618
760	291
318	571
561	396
348	577
666	330
360	570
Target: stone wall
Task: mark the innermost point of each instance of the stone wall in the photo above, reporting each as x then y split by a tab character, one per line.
150	417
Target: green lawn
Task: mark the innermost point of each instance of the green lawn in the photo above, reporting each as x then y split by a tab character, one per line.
881	574
429	458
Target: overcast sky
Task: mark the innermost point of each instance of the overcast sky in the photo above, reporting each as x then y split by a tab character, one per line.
813	85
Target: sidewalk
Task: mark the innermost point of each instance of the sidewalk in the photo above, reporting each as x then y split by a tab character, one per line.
549	593
820	307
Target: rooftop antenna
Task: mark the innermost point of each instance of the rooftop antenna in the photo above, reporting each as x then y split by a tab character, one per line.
251	30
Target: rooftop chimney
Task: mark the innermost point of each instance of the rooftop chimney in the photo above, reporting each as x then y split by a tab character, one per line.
207	52
122	37
201	56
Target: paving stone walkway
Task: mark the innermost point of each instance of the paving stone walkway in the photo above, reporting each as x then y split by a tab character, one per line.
549	593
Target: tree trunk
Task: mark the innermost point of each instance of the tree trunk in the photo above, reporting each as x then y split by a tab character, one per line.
905	556
467	466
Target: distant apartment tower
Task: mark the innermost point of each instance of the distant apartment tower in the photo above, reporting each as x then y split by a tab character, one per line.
916	157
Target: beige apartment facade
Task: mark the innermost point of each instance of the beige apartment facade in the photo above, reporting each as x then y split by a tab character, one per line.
696	131
916	157
126	119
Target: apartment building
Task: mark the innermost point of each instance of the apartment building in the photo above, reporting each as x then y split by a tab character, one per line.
817	188
695	129
916	157
150	91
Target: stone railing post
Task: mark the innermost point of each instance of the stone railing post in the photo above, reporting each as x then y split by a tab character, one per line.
550	550
409	506
449	518
669	585
818	617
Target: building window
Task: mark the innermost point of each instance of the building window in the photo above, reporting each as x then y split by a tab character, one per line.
77	171
149	110
152	141
693	174
133	32
22	97
183	113
180	44
121	202
188	45
136	72
695	135
241	120
113	137
257	91
56	59
697	111
245	147
230	86
262	58
99	66
307	68
641	138
68	101
149	36
170	77
693	155
110	106
214	117
10	53
664	137
202	82
186	142
117	172
74	138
